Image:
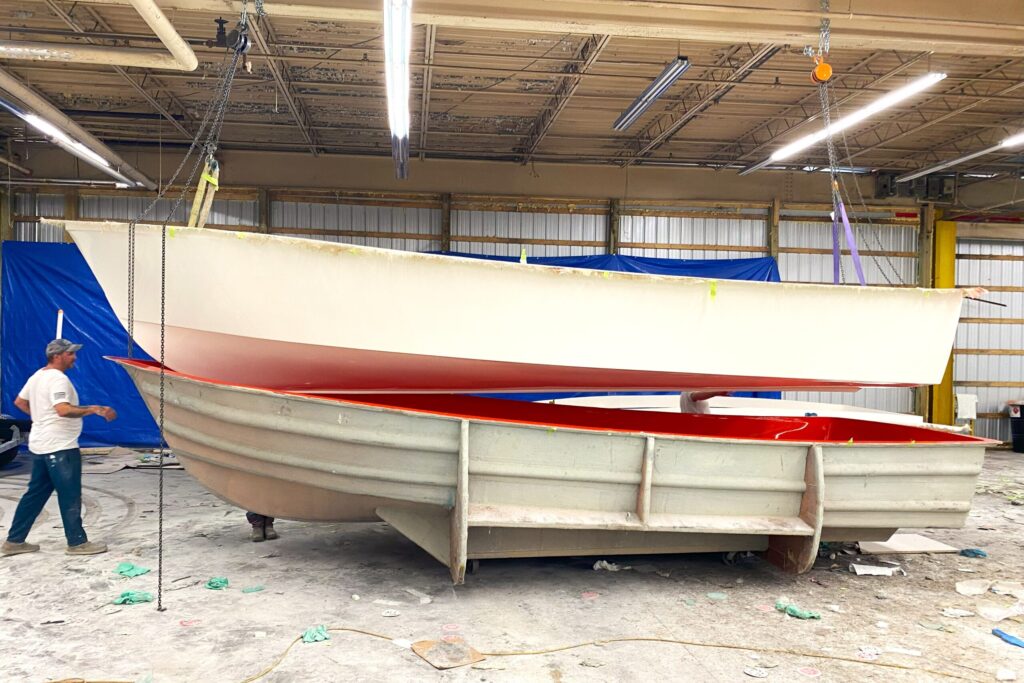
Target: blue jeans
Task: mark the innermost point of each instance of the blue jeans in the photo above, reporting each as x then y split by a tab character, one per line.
61	472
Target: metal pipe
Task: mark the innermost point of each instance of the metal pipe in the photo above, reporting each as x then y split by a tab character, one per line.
181	57
42	107
17	167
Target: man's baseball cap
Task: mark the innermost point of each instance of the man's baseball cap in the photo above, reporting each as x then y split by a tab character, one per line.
60	346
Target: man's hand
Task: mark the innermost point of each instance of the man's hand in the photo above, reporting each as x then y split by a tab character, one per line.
106	412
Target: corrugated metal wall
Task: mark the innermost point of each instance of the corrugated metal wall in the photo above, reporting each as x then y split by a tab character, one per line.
507	233
685	237
30	204
988	358
888	255
233	212
374	225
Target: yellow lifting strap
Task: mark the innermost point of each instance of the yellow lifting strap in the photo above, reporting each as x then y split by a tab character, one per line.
205	190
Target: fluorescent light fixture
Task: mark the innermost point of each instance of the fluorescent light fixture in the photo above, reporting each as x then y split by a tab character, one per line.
659	85
1012	141
397	46
850	120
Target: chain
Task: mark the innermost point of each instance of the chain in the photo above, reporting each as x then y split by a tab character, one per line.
160	485
871	226
211	125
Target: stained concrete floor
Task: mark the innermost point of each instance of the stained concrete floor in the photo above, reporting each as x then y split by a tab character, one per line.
57	619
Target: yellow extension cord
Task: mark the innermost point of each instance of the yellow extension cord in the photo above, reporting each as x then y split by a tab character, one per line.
521	653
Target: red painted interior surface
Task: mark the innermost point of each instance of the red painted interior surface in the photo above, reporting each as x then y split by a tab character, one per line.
795	429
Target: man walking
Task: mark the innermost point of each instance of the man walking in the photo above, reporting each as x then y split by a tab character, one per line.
52	402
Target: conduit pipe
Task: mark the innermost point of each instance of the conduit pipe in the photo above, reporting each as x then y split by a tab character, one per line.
42	108
181	57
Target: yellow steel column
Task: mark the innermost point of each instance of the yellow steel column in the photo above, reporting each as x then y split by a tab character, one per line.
945	277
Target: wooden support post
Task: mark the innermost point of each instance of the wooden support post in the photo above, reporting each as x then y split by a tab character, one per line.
70	209
6	226
945	277
614	221
774	214
263	209
446	222
925	278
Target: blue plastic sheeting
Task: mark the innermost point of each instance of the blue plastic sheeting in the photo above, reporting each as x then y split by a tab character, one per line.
763	269
39	279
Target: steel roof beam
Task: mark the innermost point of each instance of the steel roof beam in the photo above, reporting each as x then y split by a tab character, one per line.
585	57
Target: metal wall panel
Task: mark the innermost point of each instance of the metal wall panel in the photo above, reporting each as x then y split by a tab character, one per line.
879	270
677	230
362	219
42	205
515	225
983	367
896	400
239	212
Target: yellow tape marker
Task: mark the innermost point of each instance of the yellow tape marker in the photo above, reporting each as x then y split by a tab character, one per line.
210	179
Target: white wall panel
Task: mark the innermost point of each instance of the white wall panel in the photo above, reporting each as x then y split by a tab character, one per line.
877	398
42	205
516	225
239	212
1005	336
878	270
679	230
361	219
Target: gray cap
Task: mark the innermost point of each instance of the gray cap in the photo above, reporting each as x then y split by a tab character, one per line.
60	346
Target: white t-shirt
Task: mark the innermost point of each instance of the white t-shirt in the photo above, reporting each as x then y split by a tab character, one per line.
50	432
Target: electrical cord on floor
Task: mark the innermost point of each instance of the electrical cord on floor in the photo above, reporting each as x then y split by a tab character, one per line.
674	641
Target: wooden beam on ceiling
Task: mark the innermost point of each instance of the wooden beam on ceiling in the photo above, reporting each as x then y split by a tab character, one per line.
946	26
698	97
585	57
256	29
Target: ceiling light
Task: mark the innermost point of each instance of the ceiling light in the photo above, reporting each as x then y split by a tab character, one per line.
397	45
659	85
1012	141
856	117
850	120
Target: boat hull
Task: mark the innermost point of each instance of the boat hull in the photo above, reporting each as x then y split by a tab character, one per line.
465	484
304	315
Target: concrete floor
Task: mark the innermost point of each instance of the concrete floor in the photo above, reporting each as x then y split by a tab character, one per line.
57	620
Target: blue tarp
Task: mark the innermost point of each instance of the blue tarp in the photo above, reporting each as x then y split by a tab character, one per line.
39	279
763	269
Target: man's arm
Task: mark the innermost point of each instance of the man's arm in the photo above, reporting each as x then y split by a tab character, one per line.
22	405
68	410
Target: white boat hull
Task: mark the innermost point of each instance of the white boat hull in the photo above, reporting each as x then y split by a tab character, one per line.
467	485
305	315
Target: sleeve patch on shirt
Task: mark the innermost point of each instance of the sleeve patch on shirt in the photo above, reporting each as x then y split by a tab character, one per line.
57	395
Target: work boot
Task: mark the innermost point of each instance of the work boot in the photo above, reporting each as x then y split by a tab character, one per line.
256	535
269	533
9	548
87	548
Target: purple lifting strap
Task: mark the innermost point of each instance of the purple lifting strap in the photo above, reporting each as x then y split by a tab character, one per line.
850	240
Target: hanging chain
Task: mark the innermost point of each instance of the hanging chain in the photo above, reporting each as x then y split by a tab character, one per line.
871	232
211	125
